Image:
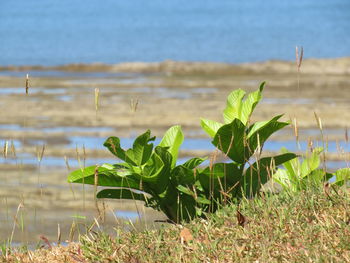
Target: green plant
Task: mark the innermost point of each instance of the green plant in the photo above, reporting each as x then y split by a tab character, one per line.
342	177
242	142
148	174
185	191
300	173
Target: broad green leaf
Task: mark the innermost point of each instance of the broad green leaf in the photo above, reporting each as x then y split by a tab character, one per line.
113	145
310	164
185	190
156	173
260	135
121	194
173	139
259	125
220	177
152	170
292	167
233	105
182	175
230	140
203	200
104	178
186	209
142	149
259	172
250	103
282	178
210	127
177	207
163	177
241	109
342	176
315	178
193	163
77	175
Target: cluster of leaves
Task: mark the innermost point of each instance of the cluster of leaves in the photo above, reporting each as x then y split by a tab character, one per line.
301	173
242	142
186	191
148	174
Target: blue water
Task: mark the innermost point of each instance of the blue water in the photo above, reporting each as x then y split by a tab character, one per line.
189	144
110	31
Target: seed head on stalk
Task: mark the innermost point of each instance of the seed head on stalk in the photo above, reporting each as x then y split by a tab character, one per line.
27	83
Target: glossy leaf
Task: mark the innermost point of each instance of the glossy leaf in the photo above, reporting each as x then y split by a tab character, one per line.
311	162
342	176
230	140
250	103
113	145
210	127
185	190
315	178
283	179
193	163
160	175
258	173
237	108
220	177
152	170
260	132
107	175
142	149
292	167
233	105
121	194
173	138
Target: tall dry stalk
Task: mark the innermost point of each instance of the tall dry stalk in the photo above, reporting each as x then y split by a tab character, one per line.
40	155
27	83
133	105
299	60
95	193
13	150
82	167
296	132
324	143
97	100
6	147
346	135
15	222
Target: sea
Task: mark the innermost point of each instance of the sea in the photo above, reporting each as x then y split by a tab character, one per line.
51	32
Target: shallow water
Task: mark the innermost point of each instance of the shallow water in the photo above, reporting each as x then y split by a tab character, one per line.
189	144
16	91
65	129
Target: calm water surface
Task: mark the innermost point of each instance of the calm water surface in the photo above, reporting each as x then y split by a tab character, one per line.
59	32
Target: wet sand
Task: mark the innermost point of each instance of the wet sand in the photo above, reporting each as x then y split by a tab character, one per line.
61	105
176	93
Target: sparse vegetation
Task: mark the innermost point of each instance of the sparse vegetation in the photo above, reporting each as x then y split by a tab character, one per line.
309	223
310	226
298	175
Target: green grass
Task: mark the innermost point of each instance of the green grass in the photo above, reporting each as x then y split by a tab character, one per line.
309	226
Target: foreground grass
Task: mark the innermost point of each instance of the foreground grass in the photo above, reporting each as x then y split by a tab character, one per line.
311	226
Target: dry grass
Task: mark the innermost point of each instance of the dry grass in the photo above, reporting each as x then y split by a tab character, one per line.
312	226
